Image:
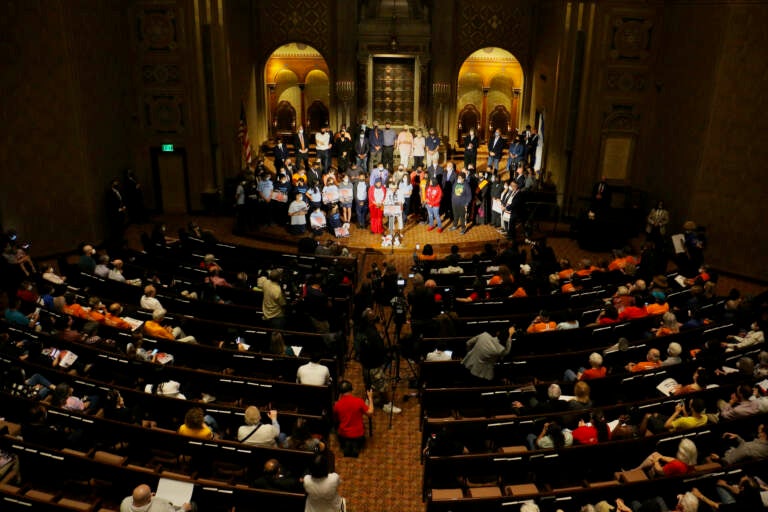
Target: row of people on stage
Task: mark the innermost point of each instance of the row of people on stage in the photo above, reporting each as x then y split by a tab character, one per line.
367	147
431	195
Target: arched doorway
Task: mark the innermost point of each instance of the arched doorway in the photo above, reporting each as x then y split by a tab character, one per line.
490	82
296	77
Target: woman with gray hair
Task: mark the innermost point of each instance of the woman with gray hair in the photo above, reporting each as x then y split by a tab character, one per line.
658	465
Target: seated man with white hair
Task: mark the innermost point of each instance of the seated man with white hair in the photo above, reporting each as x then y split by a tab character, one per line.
155	329
596	370
673	354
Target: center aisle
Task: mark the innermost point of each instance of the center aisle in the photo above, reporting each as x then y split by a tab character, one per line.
387	475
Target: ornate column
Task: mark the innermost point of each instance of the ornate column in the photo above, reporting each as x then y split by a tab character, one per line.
482	130
272	110
440	94
513	112
302	115
345	91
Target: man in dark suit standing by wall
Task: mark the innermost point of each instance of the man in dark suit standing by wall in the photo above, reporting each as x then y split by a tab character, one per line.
302	149
495	149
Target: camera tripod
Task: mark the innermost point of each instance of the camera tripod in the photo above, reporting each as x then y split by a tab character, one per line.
395	351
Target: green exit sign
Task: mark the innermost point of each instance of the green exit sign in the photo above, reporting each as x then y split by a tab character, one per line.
168	148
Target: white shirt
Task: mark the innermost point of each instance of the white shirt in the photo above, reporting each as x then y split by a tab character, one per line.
322	141
322	493
313	374
150	303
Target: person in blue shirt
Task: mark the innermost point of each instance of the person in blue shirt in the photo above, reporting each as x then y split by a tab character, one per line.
516	150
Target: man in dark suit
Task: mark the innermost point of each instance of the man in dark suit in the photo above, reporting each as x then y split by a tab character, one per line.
315	175
436	172
281	155
514	208
470	149
449	179
531	145
362	147
601	196
302	148
495	149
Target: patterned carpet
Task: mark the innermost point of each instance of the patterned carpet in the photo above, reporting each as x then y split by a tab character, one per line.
388	475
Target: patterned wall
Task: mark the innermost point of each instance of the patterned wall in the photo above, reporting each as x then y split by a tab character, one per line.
503	23
160	45
306	21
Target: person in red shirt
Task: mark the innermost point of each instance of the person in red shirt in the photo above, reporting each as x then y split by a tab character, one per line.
632	312
348	412
432	197
376	196
658	465
586	432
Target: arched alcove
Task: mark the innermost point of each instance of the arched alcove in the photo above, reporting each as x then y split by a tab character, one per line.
491	80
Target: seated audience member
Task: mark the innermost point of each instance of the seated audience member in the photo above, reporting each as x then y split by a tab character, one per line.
694	417
313	373
569	321
277	345
669	325
761	368
155	329
740	404
148	300
622	298
454	258
596	370
440	353
65	331
552	436
113	318
551	403
608	315
632	311
541	323
195	426
86	263
257	433
215	279
673	354
16	318
169	388
581	399
657	465
479	292
276	478
653	360
757	449
135	350
685	503
116	273
586	432
301	438
755	336
659	306
746	496
64	397
144	500
700	381
102	267
50	275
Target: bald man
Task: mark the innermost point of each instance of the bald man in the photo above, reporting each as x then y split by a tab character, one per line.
276	478
652	360
143	500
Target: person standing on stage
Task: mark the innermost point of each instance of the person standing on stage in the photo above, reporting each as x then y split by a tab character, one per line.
376	196
361	199
404	144
419	149
433	195
460	198
375	143
470	148
433	148
388	137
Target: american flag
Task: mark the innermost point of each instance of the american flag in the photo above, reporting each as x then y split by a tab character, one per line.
242	135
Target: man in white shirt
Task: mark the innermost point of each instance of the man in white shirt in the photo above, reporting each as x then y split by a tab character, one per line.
313	373
323	146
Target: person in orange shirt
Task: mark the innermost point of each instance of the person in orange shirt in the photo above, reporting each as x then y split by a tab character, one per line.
659	307
669	325
653	360
96	313
72	308
112	317
155	329
541	323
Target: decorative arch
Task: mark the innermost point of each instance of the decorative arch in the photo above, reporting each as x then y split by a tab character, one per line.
297	76
317	116
491	80
469	117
